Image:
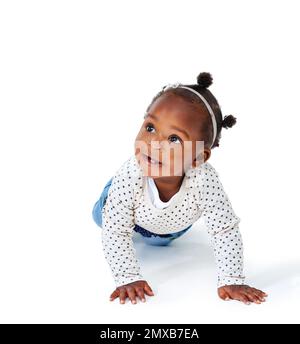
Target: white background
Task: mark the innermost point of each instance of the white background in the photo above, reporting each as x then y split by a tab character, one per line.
75	80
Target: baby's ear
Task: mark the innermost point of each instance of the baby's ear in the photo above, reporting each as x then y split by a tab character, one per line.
197	161
201	158
207	153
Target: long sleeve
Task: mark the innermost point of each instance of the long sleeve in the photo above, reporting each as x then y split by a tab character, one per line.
117	228
223	226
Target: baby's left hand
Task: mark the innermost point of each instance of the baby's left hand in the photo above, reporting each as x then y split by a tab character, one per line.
242	293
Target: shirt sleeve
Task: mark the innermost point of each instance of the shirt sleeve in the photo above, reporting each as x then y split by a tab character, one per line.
223	226
117	229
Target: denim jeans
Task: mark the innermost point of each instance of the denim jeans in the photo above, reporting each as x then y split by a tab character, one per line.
149	237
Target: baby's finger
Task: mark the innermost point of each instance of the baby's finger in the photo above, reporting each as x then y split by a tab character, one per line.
114	295
253	298
131	294
242	298
140	293
123	295
260	296
148	290
260	292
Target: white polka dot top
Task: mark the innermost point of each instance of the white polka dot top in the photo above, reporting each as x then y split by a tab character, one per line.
201	194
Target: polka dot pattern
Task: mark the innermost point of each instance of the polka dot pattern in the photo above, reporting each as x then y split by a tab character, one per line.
201	195
223	226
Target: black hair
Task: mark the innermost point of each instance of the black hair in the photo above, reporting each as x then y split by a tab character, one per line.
204	80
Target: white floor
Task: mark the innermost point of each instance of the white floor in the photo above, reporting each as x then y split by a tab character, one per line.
183	279
55	284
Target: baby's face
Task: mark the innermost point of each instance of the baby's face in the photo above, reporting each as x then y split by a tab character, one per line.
171	136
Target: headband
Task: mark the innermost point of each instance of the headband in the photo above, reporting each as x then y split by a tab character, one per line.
212	115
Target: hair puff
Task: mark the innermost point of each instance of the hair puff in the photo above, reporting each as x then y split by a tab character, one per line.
204	79
228	121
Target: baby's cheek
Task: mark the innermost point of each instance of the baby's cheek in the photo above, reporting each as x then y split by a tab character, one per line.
177	163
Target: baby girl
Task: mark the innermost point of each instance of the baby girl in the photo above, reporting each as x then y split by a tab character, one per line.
166	186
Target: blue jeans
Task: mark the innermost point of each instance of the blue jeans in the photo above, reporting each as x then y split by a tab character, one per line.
149	237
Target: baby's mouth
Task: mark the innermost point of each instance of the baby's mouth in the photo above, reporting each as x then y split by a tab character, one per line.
151	160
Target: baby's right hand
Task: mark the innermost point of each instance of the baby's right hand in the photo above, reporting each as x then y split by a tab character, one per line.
131	290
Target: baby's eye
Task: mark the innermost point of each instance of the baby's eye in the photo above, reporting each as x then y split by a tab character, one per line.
175	139
149	127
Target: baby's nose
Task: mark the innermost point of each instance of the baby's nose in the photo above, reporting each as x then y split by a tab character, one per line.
155	144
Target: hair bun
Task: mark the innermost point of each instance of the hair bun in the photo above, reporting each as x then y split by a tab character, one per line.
204	79
228	121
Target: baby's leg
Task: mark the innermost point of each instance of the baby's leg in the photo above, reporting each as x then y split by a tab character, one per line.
157	240
97	209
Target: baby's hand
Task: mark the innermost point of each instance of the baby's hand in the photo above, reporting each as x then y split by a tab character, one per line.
242	293
131	290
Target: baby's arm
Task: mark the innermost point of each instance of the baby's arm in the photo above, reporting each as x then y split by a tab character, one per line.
228	250
223	226
117	231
